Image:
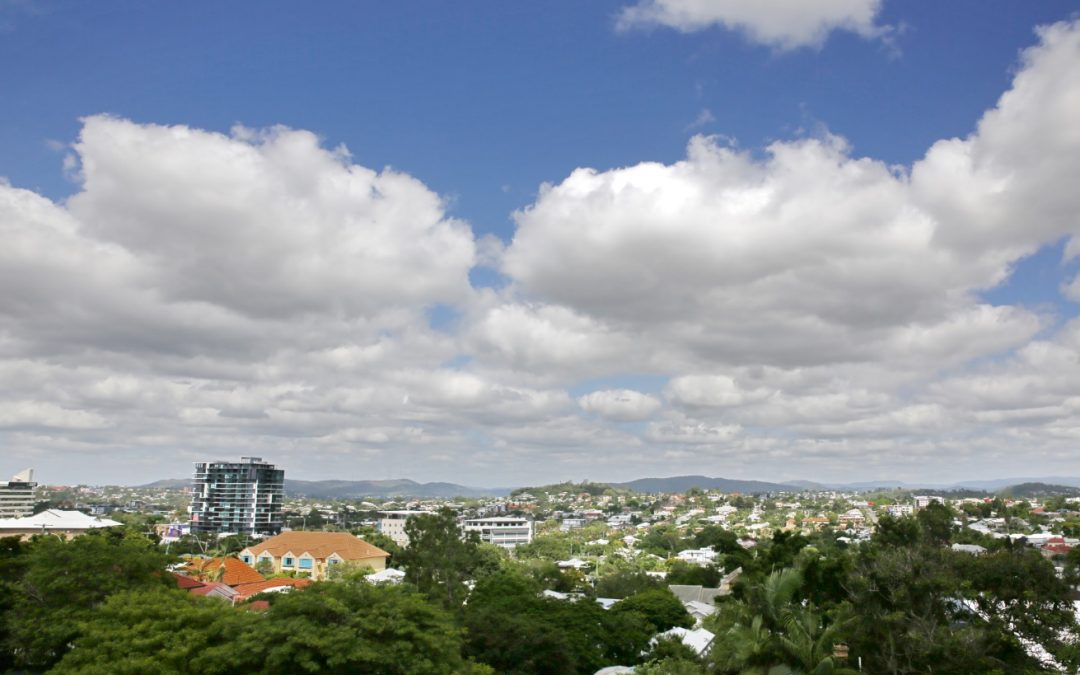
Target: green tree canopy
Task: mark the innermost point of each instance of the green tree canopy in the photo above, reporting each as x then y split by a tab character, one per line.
658	606
64	581
162	630
439	558
357	627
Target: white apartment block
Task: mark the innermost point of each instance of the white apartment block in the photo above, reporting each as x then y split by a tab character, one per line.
17	495
900	510
392	524
506	531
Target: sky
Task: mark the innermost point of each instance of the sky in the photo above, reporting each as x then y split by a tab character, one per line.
507	244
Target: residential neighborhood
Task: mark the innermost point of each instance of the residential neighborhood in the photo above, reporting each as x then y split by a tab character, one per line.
580	544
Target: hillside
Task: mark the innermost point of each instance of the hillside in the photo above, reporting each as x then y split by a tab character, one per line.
1040	490
684	483
355	489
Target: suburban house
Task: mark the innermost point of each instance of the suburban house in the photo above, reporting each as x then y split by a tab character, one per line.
312	554
229	571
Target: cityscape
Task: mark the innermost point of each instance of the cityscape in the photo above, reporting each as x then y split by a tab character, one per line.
678	562
651	337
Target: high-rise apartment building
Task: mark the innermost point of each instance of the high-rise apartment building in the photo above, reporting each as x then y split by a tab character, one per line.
17	495
244	497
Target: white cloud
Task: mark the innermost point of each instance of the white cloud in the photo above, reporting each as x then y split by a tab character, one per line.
621	405
783	24
271	223
811	255
1071	290
712	391
811	311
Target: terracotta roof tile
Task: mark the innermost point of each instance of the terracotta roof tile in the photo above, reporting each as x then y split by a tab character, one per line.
248	590
187	583
236	570
319	545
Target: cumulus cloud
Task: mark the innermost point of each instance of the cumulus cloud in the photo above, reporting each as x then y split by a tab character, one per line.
811	255
783	24
267	223
622	405
259	293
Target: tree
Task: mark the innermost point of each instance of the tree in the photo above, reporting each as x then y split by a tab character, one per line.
624	583
936	524
439	559
513	629
177	632
658	606
774	632
65	580
13	562
357	627
682	572
507	628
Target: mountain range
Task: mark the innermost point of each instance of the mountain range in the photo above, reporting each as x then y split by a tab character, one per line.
355	489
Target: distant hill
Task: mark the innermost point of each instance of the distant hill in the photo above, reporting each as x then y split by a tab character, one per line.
1040	490
684	483
1002	483
355	489
594	489
807	485
168	484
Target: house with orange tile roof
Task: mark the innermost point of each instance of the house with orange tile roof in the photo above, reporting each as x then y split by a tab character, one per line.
312	554
279	585
229	571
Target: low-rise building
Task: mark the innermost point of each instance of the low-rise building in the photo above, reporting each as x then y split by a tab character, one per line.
505	531
392	524
63	523
313	554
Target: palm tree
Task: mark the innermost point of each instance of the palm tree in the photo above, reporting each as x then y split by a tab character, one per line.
772	634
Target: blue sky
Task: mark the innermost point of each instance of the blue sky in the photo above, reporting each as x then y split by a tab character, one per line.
521	92
482	104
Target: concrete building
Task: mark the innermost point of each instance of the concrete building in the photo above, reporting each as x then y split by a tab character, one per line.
17	495
244	497
392	524
505	531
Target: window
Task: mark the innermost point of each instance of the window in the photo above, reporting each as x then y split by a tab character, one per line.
246	559
306	563
288	562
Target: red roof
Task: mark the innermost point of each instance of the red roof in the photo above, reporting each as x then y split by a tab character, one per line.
236	570
248	590
223	590
187	583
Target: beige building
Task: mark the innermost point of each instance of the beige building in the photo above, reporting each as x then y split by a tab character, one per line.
392	524
313	554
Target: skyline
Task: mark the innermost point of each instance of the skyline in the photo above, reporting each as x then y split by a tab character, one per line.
518	245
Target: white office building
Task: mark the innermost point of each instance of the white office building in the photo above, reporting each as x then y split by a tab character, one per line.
506	531
392	524
17	495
